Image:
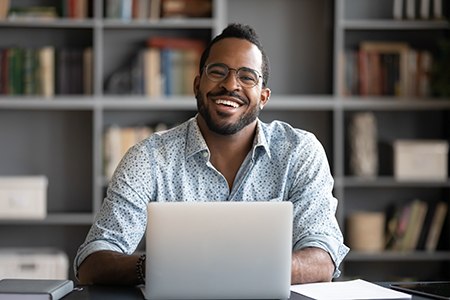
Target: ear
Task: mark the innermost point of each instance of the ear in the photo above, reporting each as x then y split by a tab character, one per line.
264	97
196	85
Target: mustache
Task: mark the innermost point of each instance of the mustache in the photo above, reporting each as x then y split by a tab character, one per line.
228	94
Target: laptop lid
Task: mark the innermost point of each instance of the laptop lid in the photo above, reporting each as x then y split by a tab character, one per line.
218	250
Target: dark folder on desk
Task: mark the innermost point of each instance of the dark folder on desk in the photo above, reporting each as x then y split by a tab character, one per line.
219	250
431	289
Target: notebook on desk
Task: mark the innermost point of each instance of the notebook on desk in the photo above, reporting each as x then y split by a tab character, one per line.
218	250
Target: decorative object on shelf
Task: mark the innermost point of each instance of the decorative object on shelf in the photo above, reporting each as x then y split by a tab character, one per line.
365	231
363	145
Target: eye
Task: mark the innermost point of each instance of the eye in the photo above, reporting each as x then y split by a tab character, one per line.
217	71
248	77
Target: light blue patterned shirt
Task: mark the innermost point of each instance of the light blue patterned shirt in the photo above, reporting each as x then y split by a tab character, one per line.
285	164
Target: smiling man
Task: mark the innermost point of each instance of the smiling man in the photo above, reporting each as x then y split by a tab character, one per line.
225	153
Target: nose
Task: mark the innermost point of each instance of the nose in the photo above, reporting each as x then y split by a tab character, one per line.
231	82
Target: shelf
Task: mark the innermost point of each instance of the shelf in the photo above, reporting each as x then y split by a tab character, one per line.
137	102
160	24
393	103
389	24
55	219
55	103
57	23
382	182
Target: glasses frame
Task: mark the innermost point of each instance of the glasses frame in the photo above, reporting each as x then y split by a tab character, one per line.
236	72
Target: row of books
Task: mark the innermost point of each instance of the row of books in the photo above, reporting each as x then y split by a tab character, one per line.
166	67
72	9
416	225
154	9
117	140
45	71
387	69
417	9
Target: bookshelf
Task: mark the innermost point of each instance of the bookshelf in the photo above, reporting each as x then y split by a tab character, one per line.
397	118
61	136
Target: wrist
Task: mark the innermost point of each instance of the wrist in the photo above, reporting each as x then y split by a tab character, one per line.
140	269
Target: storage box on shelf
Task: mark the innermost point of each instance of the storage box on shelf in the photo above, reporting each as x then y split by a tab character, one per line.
33	263
23	197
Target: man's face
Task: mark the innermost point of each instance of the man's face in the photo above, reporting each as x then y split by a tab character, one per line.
227	106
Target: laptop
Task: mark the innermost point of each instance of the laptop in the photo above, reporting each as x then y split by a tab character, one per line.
218	250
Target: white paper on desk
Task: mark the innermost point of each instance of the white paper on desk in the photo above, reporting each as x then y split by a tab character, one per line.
346	290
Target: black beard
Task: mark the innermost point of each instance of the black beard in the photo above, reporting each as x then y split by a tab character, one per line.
227	129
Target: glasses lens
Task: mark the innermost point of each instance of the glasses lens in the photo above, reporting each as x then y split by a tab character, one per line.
217	72
247	77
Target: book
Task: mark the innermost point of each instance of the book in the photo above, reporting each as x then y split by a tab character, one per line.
152	72
47	71
88	72
4	8
437	222
437	9
52	289
410	9
415	224
425	9
186	8
398	9
397	50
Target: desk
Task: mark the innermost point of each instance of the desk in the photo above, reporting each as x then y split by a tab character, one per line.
134	293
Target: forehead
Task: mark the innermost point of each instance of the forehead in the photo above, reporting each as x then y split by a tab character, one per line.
236	53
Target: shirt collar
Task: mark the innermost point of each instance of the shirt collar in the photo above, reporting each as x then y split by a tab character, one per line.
196	143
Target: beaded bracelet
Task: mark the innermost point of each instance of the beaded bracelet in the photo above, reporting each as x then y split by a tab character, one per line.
139	269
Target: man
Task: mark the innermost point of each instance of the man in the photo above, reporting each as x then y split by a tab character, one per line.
223	154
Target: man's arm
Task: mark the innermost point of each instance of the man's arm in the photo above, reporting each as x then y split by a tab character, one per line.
311	265
109	267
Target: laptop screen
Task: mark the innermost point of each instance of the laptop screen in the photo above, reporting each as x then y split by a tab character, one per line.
219	250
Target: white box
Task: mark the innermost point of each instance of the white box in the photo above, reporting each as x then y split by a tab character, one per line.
421	160
23	197
33	263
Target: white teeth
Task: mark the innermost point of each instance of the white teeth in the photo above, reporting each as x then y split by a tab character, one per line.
228	103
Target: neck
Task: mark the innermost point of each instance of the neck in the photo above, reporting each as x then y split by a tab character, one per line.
228	151
228	145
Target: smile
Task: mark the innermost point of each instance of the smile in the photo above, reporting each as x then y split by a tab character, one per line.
227	103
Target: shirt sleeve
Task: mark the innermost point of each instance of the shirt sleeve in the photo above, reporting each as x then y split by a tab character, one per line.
315	223
120	224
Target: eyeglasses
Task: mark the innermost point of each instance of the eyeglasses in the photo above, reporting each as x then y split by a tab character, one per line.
246	77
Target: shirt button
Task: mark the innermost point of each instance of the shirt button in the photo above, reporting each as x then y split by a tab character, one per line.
205	154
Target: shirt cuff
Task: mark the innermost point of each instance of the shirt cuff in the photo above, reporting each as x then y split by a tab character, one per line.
90	248
336	249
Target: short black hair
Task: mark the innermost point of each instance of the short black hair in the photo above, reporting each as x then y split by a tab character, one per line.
240	31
